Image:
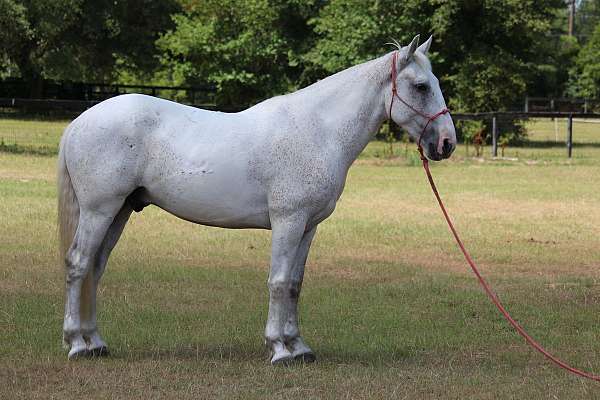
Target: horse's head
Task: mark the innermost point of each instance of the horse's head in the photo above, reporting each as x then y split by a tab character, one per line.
418	99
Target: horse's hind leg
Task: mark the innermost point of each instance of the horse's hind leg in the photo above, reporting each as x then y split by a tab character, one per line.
89	327
91	230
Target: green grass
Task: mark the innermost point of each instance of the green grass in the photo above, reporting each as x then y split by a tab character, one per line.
545	130
388	304
38	136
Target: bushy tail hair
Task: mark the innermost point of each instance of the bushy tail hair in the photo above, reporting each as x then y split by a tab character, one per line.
68	206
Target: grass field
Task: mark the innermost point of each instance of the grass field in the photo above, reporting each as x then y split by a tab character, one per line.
388	304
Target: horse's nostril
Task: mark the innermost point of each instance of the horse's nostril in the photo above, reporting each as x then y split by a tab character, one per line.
447	147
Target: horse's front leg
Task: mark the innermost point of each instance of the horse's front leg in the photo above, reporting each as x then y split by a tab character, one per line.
288	232
299	349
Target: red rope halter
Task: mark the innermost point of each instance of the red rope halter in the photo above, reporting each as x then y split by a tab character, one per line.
429	118
488	290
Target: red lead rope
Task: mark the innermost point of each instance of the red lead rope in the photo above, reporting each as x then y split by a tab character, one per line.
484	283
488	289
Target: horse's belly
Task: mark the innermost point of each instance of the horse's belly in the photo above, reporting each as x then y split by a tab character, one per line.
209	199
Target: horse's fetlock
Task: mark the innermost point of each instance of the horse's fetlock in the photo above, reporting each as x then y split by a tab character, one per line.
290	333
69	333
272	337
88	329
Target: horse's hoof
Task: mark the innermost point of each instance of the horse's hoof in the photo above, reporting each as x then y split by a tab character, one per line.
306	358
101	351
284	358
78	354
283	361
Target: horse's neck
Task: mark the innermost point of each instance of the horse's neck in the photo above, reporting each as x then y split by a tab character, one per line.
349	107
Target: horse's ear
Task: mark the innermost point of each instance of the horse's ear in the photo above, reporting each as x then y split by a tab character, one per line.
408	51
424	48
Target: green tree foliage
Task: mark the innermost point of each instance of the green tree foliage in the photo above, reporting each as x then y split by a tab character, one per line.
488	53
13	25
587	17
350	31
250	50
80	39
490	49
585	75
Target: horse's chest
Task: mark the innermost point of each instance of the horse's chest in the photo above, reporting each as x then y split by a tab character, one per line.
298	175
314	187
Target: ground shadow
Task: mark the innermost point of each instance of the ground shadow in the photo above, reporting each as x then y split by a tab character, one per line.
242	352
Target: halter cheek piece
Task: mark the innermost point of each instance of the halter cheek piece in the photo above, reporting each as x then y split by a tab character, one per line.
429	118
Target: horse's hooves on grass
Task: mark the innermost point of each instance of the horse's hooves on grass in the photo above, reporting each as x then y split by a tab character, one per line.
101	351
283	361
84	353
306	358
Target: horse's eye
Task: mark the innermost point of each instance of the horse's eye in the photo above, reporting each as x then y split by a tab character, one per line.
422	87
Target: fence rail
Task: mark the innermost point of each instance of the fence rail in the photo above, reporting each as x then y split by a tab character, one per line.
516	115
75	106
85	91
567	104
47	104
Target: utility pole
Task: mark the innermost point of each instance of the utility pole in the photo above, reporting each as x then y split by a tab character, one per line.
571	17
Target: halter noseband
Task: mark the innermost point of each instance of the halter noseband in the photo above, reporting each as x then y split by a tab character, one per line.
429	118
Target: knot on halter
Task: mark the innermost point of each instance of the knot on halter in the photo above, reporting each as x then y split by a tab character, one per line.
429	118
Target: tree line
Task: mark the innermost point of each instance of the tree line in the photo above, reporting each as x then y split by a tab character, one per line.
487	53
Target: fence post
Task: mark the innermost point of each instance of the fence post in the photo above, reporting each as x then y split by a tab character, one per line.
526	103
570	135
494	137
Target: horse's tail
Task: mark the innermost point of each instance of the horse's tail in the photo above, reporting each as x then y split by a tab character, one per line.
68	206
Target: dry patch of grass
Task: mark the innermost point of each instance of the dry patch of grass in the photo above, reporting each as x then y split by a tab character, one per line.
211	374
24	168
